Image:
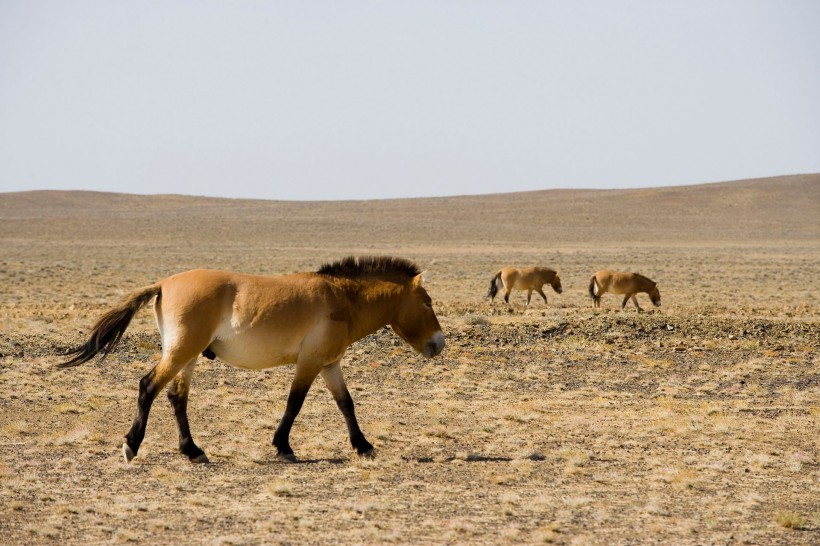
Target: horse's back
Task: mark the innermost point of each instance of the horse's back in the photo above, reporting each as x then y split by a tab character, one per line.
528	277
622	282
214	285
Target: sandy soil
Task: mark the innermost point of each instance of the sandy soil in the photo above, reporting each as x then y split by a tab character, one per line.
695	423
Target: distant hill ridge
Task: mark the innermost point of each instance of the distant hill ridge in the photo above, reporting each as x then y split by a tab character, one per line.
783	208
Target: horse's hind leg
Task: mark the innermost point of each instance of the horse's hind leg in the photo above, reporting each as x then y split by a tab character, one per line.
177	391
150	385
332	374
596	298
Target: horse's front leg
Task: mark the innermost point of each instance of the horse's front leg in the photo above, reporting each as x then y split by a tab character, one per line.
332	374
305	374
541	291
635	301
626	300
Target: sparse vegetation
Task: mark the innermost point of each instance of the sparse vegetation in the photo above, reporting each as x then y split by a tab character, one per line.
547	424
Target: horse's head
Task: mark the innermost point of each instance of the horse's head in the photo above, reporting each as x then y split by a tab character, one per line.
415	321
555	283
655	296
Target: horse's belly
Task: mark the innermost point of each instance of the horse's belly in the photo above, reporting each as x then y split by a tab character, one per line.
621	286
521	284
254	351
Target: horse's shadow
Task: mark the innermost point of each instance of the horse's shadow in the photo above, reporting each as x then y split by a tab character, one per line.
467	459
329	460
471	458
336	461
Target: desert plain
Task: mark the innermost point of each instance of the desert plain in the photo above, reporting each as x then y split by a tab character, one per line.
694	423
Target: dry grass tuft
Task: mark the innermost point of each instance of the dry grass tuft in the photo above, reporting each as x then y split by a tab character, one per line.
685	478
69	408
16	427
547	534
474	319
77	435
574	457
789	519
279	488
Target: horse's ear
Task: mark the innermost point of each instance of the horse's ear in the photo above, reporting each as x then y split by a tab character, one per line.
421	278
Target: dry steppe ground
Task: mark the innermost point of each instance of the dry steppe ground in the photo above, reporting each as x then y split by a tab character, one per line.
695	423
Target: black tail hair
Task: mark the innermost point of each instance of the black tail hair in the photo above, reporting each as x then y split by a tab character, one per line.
109	329
494	286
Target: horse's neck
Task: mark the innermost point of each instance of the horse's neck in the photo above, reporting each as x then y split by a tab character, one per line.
373	305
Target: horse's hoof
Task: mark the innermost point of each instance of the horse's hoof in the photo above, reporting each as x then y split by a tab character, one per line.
369	454
286	457
201	459
127	453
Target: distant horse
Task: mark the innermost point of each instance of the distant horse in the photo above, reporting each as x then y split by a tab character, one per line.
256	322
619	282
529	279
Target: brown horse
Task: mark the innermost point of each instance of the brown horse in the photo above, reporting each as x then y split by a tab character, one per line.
529	279
257	322
619	282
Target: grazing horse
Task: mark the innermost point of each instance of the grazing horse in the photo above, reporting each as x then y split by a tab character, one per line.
619	282
529	279
257	322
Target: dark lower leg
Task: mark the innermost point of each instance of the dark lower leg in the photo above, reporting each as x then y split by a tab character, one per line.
332	374
148	391
178	396
280	438
357	439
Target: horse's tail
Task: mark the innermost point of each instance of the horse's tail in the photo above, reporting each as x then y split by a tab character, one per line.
109	329
494	286
592	292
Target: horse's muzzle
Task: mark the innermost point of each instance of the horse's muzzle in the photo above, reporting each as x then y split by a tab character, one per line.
434	346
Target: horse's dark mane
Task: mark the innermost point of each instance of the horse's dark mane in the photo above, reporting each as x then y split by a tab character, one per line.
370	266
644	277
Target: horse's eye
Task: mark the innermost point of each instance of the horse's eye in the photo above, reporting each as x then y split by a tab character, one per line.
428	305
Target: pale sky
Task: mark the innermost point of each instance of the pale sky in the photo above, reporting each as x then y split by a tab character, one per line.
376	99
